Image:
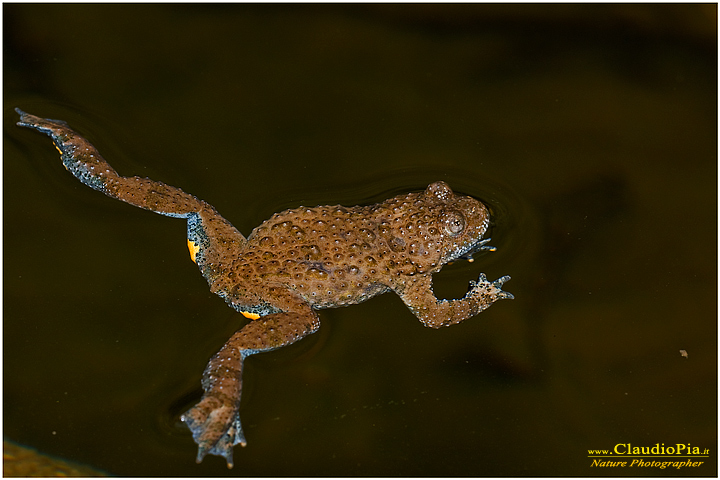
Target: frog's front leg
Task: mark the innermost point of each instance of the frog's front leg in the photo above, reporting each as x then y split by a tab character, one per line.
418	295
215	420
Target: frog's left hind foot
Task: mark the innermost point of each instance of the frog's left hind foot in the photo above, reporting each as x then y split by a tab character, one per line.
211	238
83	160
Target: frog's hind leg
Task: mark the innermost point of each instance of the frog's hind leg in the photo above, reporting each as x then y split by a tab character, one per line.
211	239
83	160
215	420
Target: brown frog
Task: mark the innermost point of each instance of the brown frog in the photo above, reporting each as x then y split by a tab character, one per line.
297	262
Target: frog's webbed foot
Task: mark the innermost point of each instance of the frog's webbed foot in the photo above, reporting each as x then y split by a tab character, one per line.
215	427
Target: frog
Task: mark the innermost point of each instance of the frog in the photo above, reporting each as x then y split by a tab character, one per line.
296	263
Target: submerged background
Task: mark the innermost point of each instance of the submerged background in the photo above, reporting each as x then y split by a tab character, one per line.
589	129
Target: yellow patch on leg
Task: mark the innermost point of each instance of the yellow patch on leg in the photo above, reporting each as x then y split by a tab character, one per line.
194	249
251	316
61	153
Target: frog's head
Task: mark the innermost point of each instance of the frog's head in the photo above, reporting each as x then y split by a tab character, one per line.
460	224
426	230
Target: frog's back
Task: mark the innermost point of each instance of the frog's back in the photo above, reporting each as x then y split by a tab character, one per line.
334	256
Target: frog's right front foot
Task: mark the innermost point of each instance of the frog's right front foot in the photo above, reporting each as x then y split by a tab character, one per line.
215	427
492	289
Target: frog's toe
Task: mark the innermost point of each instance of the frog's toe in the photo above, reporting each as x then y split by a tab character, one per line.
215	428
224	446
499	282
505	296
498	285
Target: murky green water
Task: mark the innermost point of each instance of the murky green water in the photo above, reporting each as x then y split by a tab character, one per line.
590	130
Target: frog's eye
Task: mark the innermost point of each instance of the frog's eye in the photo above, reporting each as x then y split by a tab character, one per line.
453	223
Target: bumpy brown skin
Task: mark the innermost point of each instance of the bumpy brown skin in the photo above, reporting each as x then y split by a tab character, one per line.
296	262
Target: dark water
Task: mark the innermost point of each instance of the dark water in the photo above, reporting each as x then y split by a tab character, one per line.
590	130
